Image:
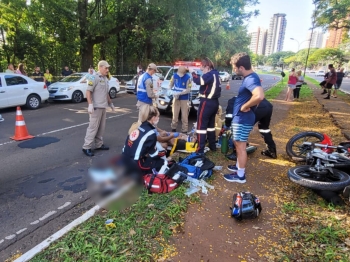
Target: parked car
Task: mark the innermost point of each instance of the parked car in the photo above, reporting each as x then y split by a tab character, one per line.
236	77
320	73
157	80
73	87
18	90
224	76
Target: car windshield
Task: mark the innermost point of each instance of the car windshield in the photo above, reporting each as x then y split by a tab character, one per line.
72	78
221	73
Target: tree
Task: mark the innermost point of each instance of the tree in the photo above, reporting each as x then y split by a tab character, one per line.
275	58
327	55
333	14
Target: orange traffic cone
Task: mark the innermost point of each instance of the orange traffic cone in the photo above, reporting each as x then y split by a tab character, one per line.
260	80
228	85
21	132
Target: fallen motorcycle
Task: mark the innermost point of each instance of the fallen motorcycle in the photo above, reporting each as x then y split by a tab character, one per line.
325	171
297	149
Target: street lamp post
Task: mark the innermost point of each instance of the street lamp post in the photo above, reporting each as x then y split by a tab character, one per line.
299	44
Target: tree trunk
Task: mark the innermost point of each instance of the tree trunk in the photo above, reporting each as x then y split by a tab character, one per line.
86	52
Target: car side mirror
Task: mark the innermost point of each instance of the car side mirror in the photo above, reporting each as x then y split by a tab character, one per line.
161	78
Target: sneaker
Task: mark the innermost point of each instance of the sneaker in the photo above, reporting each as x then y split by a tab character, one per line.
327	97
232	168
235	178
324	92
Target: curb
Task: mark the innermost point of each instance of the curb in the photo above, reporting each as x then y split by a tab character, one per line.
46	243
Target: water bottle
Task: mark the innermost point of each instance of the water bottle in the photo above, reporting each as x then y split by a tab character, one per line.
224	143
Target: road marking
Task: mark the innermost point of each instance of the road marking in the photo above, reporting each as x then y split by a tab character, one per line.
66	128
1	241
35	222
65	205
10	237
41	246
47	215
20	231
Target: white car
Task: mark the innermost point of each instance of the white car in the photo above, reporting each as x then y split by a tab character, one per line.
73	87
320	73
224	76
18	90
164	101
157	80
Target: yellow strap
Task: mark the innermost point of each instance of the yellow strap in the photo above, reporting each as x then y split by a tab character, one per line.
174	146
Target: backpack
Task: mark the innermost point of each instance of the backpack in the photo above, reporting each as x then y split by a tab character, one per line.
283	74
198	166
159	183
245	205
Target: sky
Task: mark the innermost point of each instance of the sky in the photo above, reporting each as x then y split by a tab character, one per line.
298	15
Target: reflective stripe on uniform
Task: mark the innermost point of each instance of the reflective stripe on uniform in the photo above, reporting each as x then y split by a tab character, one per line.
140	145
154	154
211	129
202	81
201	131
264	130
229	115
213	88
141	90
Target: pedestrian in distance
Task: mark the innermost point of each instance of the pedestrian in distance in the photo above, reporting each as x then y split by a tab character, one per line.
292	81
340	76
48	77
250	94
66	71
180	82
10	69
98	99
209	93
296	90
37	75
331	80
145	94
21	70
323	83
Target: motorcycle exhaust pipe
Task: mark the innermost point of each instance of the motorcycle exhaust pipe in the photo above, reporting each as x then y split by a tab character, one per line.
337	165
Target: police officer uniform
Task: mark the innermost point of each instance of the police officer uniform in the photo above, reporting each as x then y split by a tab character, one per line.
209	93
263	113
181	86
141	148
98	86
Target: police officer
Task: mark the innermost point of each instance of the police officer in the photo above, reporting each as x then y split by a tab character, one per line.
98	99
209	93
141	144
263	113
145	94
180	82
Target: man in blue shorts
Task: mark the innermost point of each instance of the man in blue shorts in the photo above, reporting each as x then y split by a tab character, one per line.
250	94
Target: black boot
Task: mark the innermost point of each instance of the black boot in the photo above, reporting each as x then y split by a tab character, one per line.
232	156
327	97
324	92
270	153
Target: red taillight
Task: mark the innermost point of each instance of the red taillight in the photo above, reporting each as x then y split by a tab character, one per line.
45	87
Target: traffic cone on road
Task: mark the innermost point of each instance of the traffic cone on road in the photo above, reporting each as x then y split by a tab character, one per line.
260	80
228	85
21	132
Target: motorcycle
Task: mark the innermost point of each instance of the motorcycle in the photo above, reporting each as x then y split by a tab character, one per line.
325	171
297	149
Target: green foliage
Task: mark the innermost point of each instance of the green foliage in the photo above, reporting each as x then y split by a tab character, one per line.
78	33
327	55
276	58
333	14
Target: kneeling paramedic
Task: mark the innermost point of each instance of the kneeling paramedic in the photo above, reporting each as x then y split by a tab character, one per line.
141	144
209	93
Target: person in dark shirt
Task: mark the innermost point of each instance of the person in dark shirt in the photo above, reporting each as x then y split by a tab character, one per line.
331	80
37	75
340	76
66	71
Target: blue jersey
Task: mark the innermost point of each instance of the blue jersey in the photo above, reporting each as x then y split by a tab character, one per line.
249	83
209	85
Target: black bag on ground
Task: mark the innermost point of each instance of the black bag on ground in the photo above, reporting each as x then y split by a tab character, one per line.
245	205
177	173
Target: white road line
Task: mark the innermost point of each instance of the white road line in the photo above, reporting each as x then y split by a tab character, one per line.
65	205
38	248
1	241
35	222
69	127
47	215
20	231
10	237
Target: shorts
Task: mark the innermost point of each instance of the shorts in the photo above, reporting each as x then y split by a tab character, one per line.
336	86
240	132
329	86
291	86
322	83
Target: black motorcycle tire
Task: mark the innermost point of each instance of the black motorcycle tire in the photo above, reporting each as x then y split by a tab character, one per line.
294	176
290	147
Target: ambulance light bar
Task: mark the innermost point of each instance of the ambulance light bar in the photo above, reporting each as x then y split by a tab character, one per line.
187	63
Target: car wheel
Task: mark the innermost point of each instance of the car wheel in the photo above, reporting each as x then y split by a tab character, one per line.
77	97
113	93
33	102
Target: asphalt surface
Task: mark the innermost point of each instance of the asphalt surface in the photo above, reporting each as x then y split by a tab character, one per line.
345	86
43	180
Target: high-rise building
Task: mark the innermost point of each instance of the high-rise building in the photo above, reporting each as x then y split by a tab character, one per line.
335	37
276	33
258	41
316	40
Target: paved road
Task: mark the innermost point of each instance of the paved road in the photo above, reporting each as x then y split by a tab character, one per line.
43	179
345	87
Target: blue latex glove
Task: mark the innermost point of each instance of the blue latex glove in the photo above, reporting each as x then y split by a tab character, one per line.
176	134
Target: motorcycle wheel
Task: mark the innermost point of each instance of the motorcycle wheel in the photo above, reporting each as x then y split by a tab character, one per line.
295	148
302	175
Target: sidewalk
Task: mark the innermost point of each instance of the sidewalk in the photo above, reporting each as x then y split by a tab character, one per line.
337	108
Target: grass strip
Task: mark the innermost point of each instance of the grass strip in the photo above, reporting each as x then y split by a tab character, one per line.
141	232
274	91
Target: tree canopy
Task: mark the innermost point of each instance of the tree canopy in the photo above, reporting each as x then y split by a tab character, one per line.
333	14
